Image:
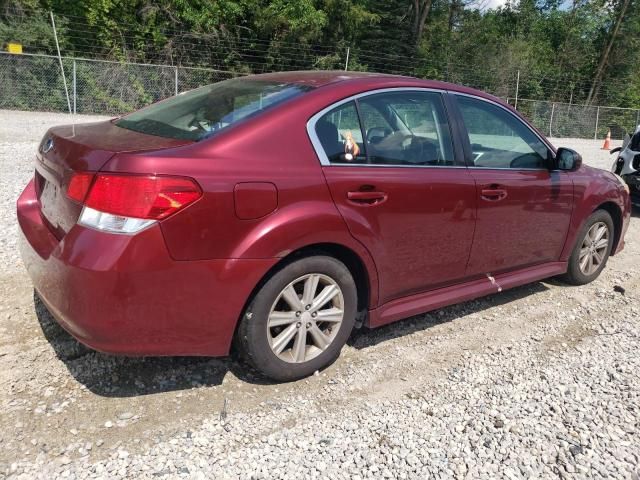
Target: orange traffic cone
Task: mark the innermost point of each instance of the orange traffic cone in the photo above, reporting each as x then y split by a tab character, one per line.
607	142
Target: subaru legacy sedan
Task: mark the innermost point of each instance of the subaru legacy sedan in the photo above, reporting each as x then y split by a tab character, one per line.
276	213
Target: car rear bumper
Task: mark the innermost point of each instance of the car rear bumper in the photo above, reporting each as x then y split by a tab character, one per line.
125	294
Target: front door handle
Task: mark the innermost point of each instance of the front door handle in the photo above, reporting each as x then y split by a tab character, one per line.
367	198
493	194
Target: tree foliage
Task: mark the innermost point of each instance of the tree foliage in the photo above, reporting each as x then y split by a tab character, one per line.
561	50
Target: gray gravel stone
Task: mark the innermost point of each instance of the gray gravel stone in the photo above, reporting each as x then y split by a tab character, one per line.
541	382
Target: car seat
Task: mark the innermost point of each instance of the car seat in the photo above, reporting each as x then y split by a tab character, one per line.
328	134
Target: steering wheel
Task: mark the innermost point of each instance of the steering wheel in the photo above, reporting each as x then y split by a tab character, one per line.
526	160
395	141
197	120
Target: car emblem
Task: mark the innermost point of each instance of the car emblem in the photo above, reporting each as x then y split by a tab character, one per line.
48	145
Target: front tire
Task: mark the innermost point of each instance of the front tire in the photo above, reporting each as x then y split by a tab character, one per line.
300	319
592	249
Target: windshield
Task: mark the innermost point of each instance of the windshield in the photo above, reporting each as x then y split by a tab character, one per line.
202	112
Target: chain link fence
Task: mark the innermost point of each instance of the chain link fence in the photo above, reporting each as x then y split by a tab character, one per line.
34	82
578	121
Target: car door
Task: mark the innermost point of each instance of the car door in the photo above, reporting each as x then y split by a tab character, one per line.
391	166
524	207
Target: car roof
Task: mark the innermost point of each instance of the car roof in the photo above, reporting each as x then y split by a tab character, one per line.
366	81
333	85
316	78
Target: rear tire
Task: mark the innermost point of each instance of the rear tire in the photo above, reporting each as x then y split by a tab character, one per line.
592	249
300	319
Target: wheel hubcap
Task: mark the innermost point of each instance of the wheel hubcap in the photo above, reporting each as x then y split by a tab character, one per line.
305	318
594	248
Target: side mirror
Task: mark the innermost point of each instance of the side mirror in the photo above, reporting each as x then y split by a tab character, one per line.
568	160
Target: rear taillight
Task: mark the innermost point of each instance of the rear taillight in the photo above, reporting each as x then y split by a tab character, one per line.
129	203
149	197
79	186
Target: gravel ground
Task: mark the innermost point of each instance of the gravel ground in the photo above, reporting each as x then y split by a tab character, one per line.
20	135
591	150
541	381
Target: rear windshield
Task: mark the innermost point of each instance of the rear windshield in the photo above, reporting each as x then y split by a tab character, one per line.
203	112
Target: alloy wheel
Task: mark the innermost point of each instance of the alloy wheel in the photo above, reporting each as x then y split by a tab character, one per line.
305	318
594	248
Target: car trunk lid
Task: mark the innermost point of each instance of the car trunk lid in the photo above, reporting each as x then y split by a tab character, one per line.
68	149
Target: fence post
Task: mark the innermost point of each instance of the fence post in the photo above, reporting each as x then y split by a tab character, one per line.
175	71
74	87
517	89
595	135
553	109
346	63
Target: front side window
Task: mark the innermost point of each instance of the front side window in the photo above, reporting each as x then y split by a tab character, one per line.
203	112
498	139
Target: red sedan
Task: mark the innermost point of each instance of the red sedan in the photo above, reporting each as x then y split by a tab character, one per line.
283	210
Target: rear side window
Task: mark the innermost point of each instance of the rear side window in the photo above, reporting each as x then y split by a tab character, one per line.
340	135
498	139
203	112
404	128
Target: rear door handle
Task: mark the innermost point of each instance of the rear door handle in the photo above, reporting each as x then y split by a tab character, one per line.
367	197
493	194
